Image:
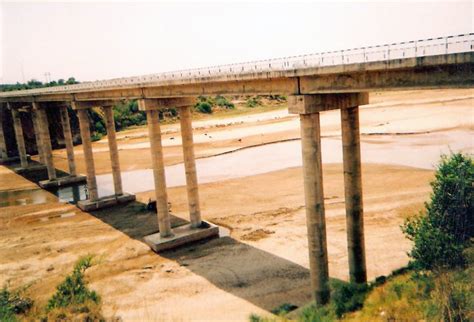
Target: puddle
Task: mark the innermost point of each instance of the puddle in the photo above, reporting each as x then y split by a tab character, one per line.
420	151
71	194
25	197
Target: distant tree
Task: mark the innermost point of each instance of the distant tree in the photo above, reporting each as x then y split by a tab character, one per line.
71	80
33	83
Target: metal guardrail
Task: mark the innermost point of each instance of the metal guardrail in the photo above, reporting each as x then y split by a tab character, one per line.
416	48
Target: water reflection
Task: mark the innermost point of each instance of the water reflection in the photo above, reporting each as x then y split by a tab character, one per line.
420	151
25	197
71	194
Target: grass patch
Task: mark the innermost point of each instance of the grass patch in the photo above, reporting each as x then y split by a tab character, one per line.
284	309
72	301
13	303
73	290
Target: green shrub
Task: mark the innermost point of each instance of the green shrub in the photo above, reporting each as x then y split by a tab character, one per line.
100	127
278	98
223	102
347	297
203	107
96	136
441	235
254	101
284	309
73	290
317	314
127	114
12	303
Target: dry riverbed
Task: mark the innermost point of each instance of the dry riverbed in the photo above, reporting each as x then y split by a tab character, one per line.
263	263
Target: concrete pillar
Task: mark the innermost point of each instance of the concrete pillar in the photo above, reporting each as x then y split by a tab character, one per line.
68	139
314	198
20	141
353	194
36	129
88	156
46	143
3	144
190	166
154	131
114	156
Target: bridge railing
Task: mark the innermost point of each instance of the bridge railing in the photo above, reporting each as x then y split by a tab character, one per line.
410	49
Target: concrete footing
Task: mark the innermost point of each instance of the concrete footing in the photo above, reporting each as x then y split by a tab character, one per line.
105	202
13	159
62	181
181	235
30	168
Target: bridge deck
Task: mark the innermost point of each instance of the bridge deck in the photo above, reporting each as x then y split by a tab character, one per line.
440	62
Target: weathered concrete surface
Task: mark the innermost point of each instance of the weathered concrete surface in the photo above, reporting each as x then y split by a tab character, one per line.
190	166
20	141
45	140
62	181
3	144
88	156
307	104
105	202
30	168
157	161
314	205
181	236
353	194
442	71
113	150
36	128
68	140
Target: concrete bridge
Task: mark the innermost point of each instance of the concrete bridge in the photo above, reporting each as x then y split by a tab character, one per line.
314	83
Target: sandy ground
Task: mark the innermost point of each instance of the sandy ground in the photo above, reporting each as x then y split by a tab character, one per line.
263	263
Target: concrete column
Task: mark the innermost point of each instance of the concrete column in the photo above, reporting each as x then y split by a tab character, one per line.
353	194
159	173
190	166
314	198
3	145
68	140
46	143
20	141
114	156
88	156
36	129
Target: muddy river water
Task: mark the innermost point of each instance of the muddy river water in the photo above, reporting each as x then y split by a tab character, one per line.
419	150
414	150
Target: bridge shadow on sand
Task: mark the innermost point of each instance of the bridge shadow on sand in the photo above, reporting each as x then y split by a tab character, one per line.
254	275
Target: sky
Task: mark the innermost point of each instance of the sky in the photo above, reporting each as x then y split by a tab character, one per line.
101	40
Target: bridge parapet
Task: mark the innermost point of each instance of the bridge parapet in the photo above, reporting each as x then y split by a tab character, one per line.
279	67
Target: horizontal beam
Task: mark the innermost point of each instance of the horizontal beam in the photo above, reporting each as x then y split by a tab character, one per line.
444	71
444	76
315	103
159	103
83	105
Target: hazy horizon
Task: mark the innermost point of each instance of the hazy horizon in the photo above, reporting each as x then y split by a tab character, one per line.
92	41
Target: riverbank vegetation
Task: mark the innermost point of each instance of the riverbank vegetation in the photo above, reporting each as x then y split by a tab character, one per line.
437	283
72	301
